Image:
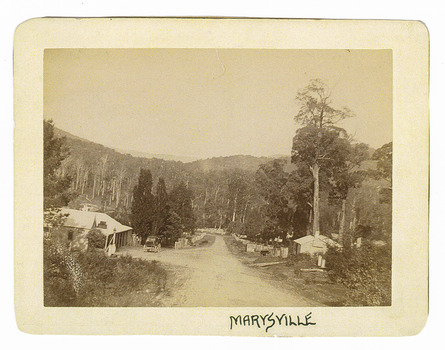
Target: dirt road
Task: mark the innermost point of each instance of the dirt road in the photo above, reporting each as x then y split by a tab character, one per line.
212	276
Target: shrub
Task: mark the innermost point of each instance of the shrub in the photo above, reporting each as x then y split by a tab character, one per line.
236	228
96	239
58	286
364	271
95	278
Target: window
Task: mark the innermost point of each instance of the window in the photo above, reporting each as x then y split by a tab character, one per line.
70	235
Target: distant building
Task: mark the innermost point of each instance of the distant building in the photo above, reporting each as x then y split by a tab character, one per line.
314	245
79	222
88	207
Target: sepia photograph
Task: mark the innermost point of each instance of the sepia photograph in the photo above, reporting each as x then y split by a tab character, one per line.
205	176
217	177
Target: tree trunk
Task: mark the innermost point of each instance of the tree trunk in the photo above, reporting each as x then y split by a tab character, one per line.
354	216
118	193
243	220
220	219
94	186
234	208
341	230
204	209
316	224
84	182
216	193
78	173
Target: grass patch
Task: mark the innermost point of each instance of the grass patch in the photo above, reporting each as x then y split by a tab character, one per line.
238	249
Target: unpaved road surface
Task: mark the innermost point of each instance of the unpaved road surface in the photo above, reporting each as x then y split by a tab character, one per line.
212	276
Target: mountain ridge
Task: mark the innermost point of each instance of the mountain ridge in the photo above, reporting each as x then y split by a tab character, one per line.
138	154
218	163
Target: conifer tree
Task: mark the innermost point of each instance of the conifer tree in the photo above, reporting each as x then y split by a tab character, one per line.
161	208
180	200
142	210
56	191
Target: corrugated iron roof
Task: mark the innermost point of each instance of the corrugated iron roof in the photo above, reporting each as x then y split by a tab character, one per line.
86	220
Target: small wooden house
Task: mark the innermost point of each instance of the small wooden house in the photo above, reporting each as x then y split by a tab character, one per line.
78	223
314	245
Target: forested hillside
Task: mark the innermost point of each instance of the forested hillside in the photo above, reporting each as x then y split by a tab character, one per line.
106	178
256	196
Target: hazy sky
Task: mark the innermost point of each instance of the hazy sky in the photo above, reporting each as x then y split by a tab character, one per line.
208	102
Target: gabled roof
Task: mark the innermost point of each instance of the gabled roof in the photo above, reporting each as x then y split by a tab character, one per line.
304	240
321	241
89	219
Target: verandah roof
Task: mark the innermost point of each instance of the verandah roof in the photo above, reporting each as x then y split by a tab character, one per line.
89	219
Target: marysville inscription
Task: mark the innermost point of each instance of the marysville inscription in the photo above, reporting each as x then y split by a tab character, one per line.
268	321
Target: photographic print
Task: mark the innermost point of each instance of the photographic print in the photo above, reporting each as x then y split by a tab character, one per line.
225	185
209	177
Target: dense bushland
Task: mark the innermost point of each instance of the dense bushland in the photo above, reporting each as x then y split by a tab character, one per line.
364	271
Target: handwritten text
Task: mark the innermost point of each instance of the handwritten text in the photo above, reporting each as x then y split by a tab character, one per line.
268	321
